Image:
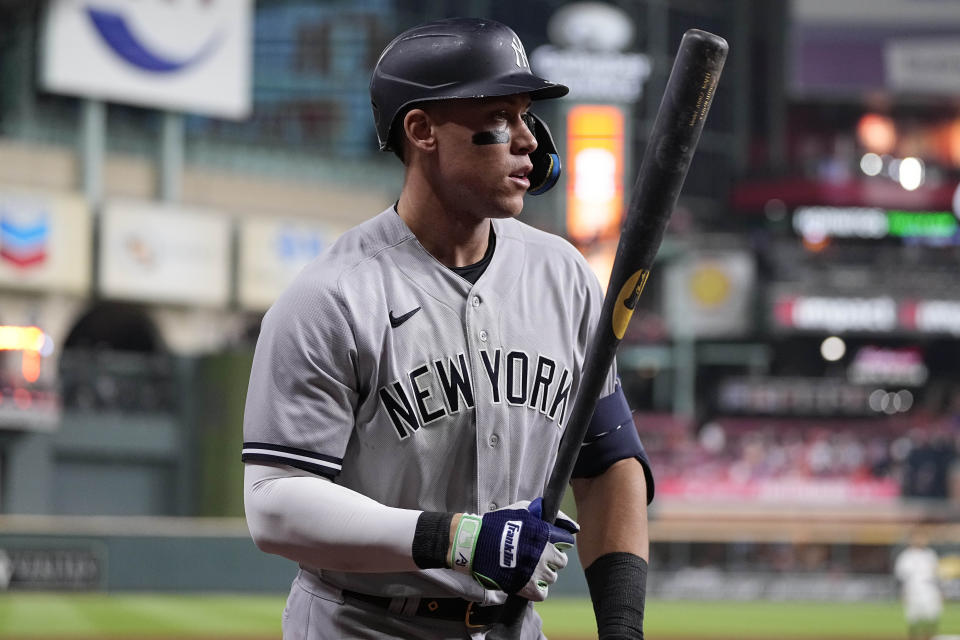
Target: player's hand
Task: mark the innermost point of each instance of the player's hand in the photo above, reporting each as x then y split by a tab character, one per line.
513	549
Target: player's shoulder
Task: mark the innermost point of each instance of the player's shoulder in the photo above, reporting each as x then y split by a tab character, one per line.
365	241
356	246
321	279
542	245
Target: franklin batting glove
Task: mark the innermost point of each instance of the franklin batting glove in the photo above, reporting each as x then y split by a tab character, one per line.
513	549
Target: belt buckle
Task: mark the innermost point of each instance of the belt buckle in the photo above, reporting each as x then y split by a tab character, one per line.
466	617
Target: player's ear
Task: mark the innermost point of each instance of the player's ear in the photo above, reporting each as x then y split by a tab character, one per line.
419	129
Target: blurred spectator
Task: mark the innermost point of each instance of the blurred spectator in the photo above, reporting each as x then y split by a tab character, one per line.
916	463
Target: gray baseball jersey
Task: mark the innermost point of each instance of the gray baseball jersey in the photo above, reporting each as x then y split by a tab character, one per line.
384	370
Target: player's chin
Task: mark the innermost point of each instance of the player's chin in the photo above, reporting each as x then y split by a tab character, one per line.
511	200
509	206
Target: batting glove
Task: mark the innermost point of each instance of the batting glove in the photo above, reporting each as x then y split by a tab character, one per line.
513	549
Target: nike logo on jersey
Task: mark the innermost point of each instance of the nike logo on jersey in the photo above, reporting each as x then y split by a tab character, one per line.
396	321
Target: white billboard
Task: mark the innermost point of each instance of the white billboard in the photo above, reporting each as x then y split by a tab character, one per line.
709	293
45	241
154	252
272	252
179	56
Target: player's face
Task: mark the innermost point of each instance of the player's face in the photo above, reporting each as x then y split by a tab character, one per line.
483	148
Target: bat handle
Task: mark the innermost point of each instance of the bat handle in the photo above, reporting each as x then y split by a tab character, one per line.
511	620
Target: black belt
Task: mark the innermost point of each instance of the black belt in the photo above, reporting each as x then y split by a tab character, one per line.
465	611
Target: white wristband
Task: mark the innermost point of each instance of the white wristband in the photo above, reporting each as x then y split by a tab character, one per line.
464	543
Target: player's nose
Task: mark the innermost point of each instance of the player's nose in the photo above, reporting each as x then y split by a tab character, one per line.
524	140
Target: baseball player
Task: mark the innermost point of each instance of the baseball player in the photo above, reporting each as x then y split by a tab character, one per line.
410	388
916	568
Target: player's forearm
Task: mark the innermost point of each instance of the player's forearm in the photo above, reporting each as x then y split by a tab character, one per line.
614	547
612	511
315	522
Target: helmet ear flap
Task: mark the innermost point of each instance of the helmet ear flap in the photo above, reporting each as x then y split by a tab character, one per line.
545	159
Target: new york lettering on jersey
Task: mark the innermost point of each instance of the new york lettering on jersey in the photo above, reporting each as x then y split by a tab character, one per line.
522	381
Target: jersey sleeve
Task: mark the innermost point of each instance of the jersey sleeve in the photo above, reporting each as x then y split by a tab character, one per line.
302	394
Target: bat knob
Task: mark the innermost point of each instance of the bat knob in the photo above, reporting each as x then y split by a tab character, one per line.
708	43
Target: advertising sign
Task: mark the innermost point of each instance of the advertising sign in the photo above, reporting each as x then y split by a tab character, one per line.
610	76
878	314
588	53
710	293
155	252
798	396
816	223
272	252
595	153
923	65
183	56
38	566
903	46
45	242
840	314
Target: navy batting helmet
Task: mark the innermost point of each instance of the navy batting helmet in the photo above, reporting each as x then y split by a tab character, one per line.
453	58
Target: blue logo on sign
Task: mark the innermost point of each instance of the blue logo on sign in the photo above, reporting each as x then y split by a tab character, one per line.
115	30
23	237
298	246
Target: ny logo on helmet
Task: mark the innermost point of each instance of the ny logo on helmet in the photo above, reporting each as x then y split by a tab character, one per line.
521	54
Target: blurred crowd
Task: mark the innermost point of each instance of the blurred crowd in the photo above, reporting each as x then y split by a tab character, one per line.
915	459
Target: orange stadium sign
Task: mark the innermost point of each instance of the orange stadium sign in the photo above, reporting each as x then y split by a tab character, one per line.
595	148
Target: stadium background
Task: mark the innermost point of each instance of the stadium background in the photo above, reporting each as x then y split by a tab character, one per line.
793	367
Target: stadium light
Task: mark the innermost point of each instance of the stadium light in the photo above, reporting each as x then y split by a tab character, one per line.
833	348
32	342
910	173
22	339
871	164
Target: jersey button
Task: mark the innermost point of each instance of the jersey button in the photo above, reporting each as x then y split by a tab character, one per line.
475	301
494	440
483	335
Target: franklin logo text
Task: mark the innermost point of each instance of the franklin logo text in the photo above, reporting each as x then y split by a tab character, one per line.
508	543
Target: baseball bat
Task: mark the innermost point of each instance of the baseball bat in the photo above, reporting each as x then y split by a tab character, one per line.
669	151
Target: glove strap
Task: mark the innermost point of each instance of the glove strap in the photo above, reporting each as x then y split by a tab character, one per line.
464	543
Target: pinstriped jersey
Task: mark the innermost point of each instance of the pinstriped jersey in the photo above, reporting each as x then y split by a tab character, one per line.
385	371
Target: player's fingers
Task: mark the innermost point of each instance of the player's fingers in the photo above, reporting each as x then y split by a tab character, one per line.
554	558
560	536
538	586
545	574
535	591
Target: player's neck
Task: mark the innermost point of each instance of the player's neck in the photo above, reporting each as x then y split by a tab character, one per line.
456	241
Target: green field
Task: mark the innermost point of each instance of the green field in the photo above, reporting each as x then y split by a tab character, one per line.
44	615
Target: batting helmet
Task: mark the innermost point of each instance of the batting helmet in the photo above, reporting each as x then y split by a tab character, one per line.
452	58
